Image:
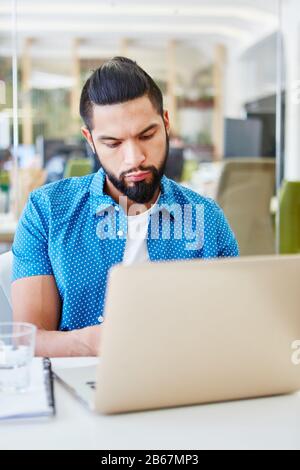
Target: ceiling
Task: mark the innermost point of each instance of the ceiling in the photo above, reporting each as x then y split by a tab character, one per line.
143	31
191	20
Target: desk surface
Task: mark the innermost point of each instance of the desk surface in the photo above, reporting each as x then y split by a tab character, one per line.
268	423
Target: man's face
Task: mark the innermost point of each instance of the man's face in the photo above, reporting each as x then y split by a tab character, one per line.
131	141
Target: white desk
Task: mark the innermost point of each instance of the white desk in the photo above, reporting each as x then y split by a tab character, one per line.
272	423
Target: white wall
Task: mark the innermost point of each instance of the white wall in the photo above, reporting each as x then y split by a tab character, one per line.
250	75
4	130
291	37
192	121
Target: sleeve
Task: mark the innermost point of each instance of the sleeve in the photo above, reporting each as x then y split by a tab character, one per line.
30	247
227	243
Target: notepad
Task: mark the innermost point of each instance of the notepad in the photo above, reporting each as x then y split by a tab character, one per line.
36	402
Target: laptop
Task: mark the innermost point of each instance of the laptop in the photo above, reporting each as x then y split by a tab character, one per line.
194	332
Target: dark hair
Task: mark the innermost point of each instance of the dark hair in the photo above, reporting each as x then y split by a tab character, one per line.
116	81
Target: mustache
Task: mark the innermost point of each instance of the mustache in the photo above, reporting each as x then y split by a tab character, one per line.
152	169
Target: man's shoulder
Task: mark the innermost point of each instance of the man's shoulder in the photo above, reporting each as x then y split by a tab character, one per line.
63	189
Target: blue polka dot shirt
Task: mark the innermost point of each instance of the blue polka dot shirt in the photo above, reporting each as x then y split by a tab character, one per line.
74	231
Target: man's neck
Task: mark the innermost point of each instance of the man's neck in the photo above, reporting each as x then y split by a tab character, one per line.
116	195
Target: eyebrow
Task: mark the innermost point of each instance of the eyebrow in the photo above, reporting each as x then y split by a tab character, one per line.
148	128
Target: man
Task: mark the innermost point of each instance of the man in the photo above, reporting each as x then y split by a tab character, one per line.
73	231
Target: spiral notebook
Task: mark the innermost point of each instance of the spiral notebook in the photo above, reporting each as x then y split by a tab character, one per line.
36	402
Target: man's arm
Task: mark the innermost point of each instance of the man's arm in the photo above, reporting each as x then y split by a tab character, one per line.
36	300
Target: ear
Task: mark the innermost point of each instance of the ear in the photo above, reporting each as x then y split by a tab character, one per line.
166	121
87	135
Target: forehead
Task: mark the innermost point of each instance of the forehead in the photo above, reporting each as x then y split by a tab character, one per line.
130	117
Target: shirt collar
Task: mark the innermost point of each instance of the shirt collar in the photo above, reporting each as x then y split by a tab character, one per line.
100	201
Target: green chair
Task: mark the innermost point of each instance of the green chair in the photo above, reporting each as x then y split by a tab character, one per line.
290	217
4	181
78	167
189	168
5	186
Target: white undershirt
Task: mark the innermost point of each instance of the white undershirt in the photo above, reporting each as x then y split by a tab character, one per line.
136	250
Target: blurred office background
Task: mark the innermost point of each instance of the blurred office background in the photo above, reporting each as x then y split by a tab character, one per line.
229	72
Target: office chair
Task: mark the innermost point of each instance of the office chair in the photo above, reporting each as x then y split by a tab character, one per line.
289	217
4	187
245	189
78	167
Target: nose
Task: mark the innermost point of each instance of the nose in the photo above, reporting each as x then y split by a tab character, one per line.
133	155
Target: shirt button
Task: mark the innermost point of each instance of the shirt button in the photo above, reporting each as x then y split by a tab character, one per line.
120	233
117	209
100	319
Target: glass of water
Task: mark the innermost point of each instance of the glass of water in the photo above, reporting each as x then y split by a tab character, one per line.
17	342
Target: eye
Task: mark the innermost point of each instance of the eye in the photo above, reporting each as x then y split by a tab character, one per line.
147	137
112	146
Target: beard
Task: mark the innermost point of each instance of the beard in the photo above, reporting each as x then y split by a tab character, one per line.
140	192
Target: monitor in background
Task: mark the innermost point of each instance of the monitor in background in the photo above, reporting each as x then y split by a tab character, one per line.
48	148
243	138
264	109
